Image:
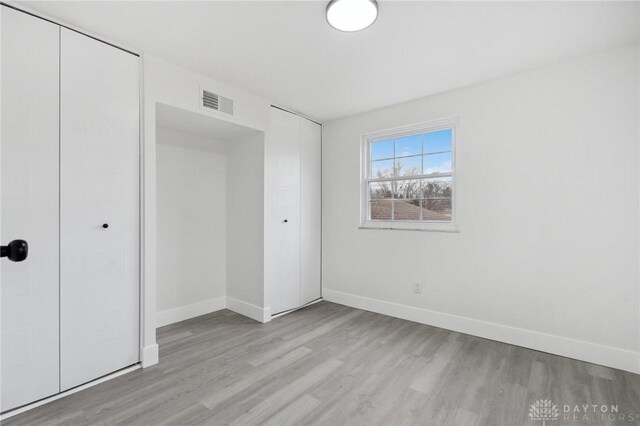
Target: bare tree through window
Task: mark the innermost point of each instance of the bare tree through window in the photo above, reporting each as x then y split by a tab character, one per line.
410	178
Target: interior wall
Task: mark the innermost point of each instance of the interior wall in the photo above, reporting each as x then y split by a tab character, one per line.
191	224
548	207
245	224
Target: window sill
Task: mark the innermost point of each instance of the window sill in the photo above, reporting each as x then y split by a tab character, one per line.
451	229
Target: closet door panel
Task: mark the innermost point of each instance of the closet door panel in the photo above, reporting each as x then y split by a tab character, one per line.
310	210
99	157
29	208
284	149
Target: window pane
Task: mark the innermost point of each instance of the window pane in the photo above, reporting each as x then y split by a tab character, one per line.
406	209
439	209
406	188
409	166
409	145
410	178
436	188
382	168
379	190
380	210
381	149
436	163
437	141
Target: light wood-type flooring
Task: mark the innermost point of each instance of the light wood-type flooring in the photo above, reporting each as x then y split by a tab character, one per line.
329	364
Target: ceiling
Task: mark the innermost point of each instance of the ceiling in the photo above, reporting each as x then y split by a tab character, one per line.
200	124
286	52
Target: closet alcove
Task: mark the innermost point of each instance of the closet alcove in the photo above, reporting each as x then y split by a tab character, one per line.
210	214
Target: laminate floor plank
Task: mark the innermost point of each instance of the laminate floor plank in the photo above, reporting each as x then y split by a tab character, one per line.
329	364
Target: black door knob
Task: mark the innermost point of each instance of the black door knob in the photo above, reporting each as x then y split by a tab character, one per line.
105	225
16	251
286	220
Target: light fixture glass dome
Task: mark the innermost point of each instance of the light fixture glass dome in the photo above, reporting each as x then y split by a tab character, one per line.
351	15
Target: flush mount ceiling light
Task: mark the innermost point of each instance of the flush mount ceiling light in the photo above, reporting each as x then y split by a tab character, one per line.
351	15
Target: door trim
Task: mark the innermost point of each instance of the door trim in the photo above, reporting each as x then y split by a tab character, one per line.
84	33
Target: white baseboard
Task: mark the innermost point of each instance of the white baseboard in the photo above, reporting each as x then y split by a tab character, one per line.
249	310
585	351
186	312
150	355
182	313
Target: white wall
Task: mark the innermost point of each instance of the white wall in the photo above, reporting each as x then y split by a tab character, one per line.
245	226
548	207
191	225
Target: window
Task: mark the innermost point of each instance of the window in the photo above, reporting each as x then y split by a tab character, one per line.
408	177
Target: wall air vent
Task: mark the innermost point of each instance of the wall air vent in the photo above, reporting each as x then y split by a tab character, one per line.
212	101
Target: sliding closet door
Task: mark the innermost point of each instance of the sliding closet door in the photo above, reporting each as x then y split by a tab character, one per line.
29	208
99	195
310	210
284	149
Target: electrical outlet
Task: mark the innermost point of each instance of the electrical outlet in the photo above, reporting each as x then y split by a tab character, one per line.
417	287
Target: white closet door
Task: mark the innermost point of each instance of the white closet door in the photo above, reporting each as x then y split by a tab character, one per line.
310	210
29	208
99	185
284	140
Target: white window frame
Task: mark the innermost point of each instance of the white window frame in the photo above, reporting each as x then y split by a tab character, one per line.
424	127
